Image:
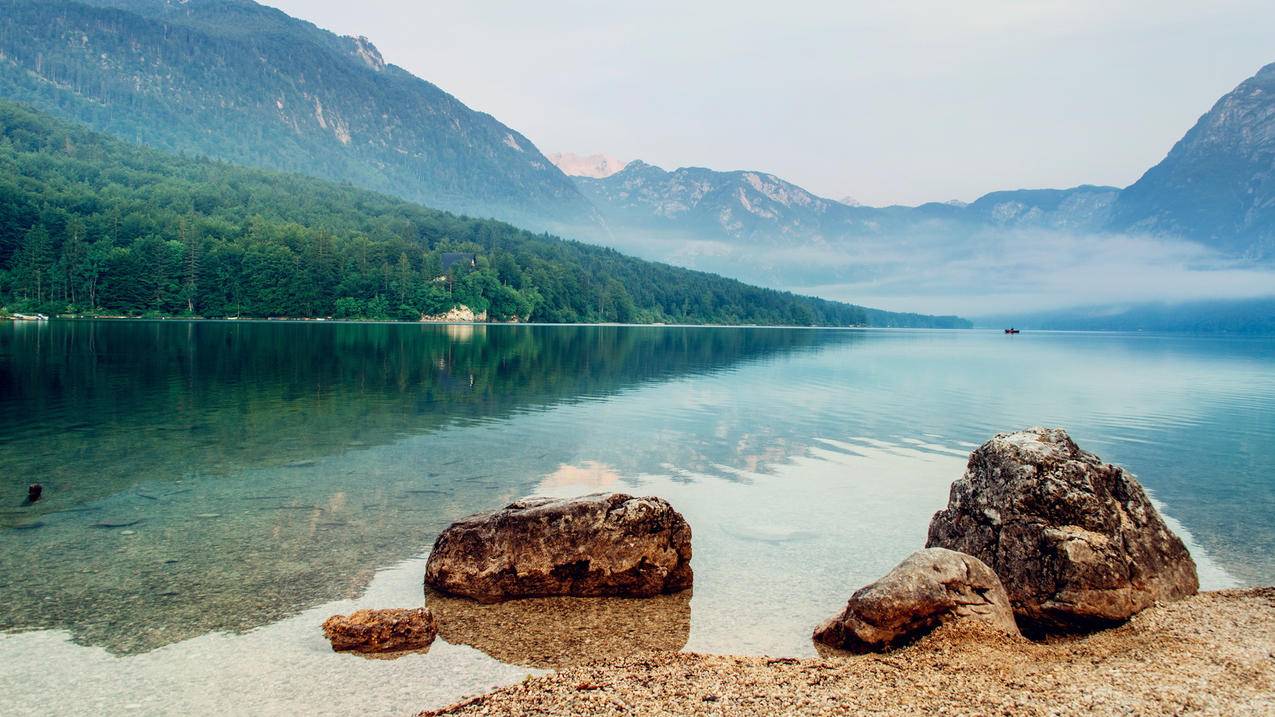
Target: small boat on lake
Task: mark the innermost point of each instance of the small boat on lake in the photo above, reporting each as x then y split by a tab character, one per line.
1012	331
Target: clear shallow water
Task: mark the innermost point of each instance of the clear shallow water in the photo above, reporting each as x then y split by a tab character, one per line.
259	477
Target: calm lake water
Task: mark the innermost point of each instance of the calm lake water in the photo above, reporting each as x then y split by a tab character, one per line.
213	491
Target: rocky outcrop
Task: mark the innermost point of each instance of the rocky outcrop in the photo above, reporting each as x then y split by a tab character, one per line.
1075	541
381	630
607	544
931	587
456	314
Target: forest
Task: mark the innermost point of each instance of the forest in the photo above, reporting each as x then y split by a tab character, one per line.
91	225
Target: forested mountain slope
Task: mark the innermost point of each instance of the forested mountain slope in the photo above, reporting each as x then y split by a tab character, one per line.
235	80
95	224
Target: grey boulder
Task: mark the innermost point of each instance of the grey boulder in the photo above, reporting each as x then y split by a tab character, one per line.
602	545
1076	542
929	588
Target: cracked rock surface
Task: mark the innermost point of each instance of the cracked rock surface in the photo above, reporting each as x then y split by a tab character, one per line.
929	588
1075	541
601	545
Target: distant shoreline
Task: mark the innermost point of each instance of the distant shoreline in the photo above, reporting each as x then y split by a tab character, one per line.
325	320
973	329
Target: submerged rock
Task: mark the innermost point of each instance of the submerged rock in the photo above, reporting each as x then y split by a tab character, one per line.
558	632
929	588
381	630
1075	541
602	545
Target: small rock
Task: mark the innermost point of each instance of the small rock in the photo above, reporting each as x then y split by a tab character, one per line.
1075	541
34	491
929	588
381	630
601	545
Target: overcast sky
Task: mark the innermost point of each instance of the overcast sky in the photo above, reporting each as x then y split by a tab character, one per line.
888	102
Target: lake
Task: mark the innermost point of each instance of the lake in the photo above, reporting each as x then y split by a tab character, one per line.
214	490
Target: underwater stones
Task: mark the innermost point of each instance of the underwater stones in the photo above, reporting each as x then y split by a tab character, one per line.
559	632
1075	541
601	545
372	631
929	588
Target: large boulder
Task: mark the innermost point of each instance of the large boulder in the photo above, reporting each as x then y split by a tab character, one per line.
1075	541
929	588
602	545
373	631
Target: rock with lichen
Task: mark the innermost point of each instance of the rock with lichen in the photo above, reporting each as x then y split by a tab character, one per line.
391	630
1076	542
602	545
930	588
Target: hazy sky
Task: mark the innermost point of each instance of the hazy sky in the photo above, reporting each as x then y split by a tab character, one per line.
898	102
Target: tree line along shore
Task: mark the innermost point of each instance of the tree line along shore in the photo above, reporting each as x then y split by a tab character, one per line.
93	225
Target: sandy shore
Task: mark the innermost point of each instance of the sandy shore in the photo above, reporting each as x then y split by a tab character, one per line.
1213	654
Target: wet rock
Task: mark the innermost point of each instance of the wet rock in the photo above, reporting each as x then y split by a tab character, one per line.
929	588
34	491
1075	541
602	545
370	631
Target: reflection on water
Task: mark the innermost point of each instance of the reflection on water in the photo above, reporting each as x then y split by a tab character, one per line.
561	632
214	491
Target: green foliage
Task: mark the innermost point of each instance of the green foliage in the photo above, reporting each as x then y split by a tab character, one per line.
247	84
95	225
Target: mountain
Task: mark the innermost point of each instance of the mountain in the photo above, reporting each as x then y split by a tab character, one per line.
89	223
241	82
1217	184
756	206
760	228
596	166
1215	190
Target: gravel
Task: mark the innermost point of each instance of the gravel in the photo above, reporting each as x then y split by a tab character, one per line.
1211	654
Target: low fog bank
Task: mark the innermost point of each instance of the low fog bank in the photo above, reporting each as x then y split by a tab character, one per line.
1068	280
1254	317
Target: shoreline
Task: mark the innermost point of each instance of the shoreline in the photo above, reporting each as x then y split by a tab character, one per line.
374	322
1210	654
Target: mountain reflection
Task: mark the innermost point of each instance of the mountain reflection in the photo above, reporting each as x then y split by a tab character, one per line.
221	476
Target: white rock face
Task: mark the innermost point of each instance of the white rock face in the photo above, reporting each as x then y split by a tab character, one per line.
457	314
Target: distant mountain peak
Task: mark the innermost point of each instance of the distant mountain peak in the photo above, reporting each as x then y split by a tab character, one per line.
1217	184
597	166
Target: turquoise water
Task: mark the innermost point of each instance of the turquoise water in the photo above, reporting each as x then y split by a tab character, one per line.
214	490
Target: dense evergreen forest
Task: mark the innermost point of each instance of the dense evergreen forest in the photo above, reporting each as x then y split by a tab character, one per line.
93	225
